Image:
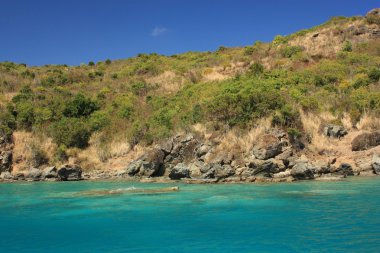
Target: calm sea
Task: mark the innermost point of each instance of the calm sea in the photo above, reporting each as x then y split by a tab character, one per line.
290	217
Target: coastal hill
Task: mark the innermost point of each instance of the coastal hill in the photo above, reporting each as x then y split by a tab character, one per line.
303	106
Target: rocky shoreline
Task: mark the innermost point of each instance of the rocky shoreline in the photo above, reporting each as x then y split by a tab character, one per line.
275	157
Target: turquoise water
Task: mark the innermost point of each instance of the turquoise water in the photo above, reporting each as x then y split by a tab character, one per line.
295	217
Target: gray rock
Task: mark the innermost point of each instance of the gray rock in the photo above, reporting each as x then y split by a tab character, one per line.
167	146
19	176
345	169
373	12
376	164
6	175
49	172
179	171
70	172
268	146
202	150
5	161
365	141
302	171
133	168
335	131
34	174
267	168
183	150
148	165
224	171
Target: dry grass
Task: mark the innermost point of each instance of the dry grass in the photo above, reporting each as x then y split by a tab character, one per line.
238	143
368	123
167	82
346	121
311	124
25	144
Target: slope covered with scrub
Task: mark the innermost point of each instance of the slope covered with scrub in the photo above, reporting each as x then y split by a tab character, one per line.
102	115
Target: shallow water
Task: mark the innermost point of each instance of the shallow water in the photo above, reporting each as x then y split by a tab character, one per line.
290	217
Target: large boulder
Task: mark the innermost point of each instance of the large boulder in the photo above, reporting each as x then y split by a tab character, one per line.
334	131
34	174
376	164
70	172
267	147
179	171
5	161
6	175
202	150
149	165
302	171
366	141
49	172
345	169
223	171
267	168
183	150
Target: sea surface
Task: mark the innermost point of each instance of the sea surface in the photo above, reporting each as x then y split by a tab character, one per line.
289	217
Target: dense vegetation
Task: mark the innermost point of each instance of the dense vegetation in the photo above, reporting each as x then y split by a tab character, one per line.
118	100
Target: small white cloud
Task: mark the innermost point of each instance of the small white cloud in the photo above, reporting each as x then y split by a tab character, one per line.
157	31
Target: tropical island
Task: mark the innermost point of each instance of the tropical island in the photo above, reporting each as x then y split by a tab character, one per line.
303	106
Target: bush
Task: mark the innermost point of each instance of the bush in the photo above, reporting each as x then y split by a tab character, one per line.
38	156
7	124
99	120
60	154
80	106
347	46
25	115
290	51
91	63
248	51
287	117
108	61
71	132
279	39
374	75
256	69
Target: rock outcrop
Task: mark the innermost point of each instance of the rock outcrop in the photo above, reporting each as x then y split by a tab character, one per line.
49	172
376	164
179	171
366	141
268	146
335	131
69	172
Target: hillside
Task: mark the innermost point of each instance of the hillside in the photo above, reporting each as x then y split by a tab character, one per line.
224	106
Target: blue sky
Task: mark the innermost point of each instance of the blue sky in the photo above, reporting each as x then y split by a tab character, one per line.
71	32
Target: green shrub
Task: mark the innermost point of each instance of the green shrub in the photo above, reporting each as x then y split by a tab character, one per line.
25	115
91	63
347	46
249	51
71	132
7	124
99	120
289	51
287	116
60	154
38	155
80	106
374	75
108	61
279	39
256	69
